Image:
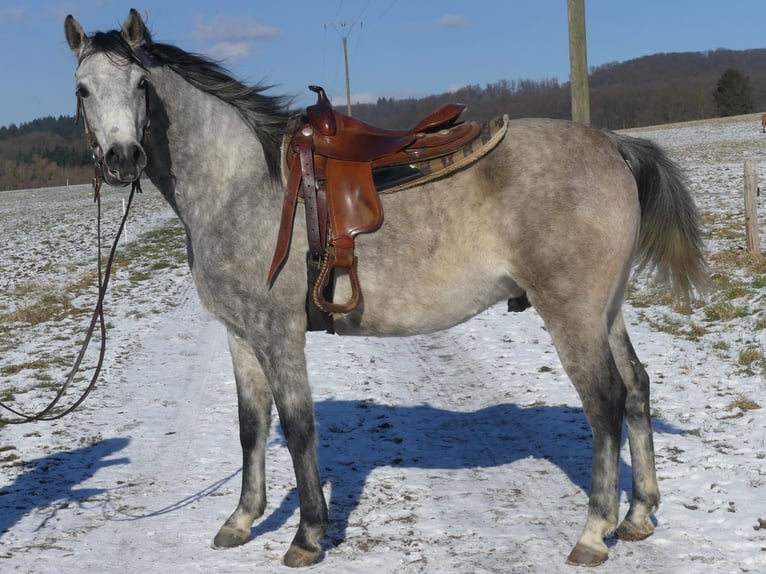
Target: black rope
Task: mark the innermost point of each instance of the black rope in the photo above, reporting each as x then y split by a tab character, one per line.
47	414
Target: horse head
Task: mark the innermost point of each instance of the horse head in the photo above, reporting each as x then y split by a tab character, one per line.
112	85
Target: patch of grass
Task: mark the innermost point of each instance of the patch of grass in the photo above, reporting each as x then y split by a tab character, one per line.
695	331
754	263
85	281
140	275
9	393
729	287
677	327
49	305
8	458
159	265
748	356
724	311
743	403
643	299
46	380
721	346
14	369
158	243
723	226
156	250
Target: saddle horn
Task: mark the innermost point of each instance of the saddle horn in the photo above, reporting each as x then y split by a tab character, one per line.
321	114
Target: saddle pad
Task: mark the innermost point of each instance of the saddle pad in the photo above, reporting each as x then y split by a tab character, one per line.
399	177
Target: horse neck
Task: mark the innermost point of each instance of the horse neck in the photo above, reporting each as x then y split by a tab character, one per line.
204	152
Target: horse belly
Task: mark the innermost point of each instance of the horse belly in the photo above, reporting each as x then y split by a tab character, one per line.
424	301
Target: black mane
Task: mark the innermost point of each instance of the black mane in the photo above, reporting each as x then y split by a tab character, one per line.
266	115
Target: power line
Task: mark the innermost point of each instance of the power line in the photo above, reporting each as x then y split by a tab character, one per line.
343	28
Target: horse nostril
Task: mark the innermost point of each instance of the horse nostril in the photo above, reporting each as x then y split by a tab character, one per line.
112	156
139	157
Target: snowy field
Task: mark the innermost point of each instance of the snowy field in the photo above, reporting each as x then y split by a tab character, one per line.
463	451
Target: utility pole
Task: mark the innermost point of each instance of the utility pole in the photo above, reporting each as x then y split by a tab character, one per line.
578	61
343	28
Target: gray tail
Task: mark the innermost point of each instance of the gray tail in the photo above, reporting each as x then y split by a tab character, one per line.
670	238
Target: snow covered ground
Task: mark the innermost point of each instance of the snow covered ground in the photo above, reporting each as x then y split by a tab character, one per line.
462	451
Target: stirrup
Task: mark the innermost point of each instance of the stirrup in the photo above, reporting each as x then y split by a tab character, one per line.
328	264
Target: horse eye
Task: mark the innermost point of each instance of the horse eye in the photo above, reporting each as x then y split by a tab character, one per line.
143	84
82	91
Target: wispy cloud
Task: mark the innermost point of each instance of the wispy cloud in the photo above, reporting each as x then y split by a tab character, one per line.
231	50
232	38
233	29
453	21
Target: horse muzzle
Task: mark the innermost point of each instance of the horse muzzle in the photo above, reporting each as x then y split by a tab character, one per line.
123	163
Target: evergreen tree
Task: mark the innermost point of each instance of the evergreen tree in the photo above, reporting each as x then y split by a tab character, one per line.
733	94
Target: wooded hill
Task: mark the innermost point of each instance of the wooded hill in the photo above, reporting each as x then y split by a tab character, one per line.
651	90
44	152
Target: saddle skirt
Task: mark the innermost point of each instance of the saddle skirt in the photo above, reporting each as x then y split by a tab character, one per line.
338	166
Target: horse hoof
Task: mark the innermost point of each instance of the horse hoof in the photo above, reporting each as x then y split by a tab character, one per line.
297	557
229	537
632	532
582	555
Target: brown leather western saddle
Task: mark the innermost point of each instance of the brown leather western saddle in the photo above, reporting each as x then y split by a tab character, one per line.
338	165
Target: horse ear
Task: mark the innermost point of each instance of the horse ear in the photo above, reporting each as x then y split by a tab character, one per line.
133	29
75	36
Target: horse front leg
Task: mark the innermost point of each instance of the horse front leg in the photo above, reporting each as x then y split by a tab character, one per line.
254	400
284	363
296	415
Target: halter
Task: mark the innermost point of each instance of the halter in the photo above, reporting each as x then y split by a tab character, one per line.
97	153
46	414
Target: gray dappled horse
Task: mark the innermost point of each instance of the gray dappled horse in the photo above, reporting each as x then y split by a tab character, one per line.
558	212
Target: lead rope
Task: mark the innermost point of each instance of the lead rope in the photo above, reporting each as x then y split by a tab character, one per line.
97	318
104	274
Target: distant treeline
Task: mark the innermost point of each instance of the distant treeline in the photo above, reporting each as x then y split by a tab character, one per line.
44	152
652	90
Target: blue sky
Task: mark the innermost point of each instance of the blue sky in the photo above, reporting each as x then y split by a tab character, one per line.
397	48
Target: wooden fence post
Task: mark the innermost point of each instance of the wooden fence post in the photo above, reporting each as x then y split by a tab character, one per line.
751	206
578	61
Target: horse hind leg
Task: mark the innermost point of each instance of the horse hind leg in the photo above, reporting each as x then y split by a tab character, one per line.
254	406
645	499
582	342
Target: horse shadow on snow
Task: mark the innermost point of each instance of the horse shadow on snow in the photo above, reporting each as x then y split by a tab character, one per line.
51	482
357	437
